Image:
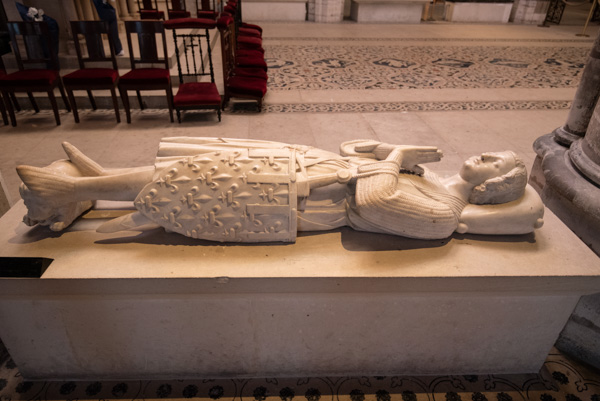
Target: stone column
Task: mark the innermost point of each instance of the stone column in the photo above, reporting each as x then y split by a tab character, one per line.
79	10
122	10
86	7
133	8
585	100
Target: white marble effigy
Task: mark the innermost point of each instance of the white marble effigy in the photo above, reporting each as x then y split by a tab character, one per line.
133	305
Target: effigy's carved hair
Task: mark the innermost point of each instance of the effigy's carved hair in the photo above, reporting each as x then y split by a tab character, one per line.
502	189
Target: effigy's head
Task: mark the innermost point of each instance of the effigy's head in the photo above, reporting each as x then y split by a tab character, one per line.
499	177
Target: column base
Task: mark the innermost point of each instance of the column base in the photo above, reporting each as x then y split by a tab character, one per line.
571	196
583	162
564	137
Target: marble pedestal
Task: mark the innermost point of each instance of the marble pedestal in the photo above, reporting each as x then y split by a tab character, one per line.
157	305
393	11
478	12
275	10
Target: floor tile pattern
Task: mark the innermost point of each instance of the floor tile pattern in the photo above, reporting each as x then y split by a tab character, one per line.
373	107
376	66
559	380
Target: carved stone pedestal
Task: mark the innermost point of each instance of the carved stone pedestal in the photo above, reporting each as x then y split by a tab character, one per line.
565	191
158	305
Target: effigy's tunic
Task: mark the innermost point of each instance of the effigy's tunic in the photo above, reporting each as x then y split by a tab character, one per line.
259	191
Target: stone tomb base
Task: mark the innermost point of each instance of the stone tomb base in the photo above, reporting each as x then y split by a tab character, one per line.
393	11
275	10
478	12
158	305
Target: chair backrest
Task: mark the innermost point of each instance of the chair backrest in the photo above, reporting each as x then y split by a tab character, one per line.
191	62
147	5
36	41
176	5
225	25
92	32
147	32
205	5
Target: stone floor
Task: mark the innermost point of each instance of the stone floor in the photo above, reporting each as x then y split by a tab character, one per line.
465	88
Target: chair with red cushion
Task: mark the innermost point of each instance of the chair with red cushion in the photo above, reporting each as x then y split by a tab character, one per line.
239	82
144	74
149	10
90	79
206	9
228	53
194	93
176	9
35	39
244	58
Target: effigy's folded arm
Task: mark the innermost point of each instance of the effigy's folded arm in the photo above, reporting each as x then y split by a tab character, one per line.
380	203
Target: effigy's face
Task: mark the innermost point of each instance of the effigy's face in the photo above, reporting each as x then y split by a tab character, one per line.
478	169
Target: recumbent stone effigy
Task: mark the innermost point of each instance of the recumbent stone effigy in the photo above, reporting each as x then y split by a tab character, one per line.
232	190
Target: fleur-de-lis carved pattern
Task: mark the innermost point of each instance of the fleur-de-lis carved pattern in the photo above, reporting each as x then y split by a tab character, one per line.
151	202
208	196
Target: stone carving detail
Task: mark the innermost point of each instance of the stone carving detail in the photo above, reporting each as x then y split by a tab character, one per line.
257	191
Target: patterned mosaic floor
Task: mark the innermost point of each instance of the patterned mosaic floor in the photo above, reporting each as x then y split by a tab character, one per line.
430	63
560	380
330	66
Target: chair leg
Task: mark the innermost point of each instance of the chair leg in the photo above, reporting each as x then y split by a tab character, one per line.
15	101
54	106
92	101
219	113
125	100
33	102
139	96
73	105
259	104
113	93
170	102
3	110
178	116
61	88
9	106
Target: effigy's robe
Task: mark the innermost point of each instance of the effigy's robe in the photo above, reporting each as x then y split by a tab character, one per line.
248	195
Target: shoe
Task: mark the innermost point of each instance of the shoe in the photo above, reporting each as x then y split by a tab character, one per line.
121	53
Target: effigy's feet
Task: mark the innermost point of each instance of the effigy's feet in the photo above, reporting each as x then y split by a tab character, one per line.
44	213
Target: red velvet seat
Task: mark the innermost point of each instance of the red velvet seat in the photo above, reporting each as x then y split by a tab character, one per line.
196	93
145	78
39	49
251	62
249	32
34	77
140	76
149	10
89	79
251	72
193	93
247	87
102	76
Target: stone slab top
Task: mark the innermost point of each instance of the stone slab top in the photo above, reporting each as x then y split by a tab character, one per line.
549	260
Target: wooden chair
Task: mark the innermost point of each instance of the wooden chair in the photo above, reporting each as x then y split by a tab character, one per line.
149	10
176	9
89	79
242	60
192	93
238	82
34	38
206	9
146	78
